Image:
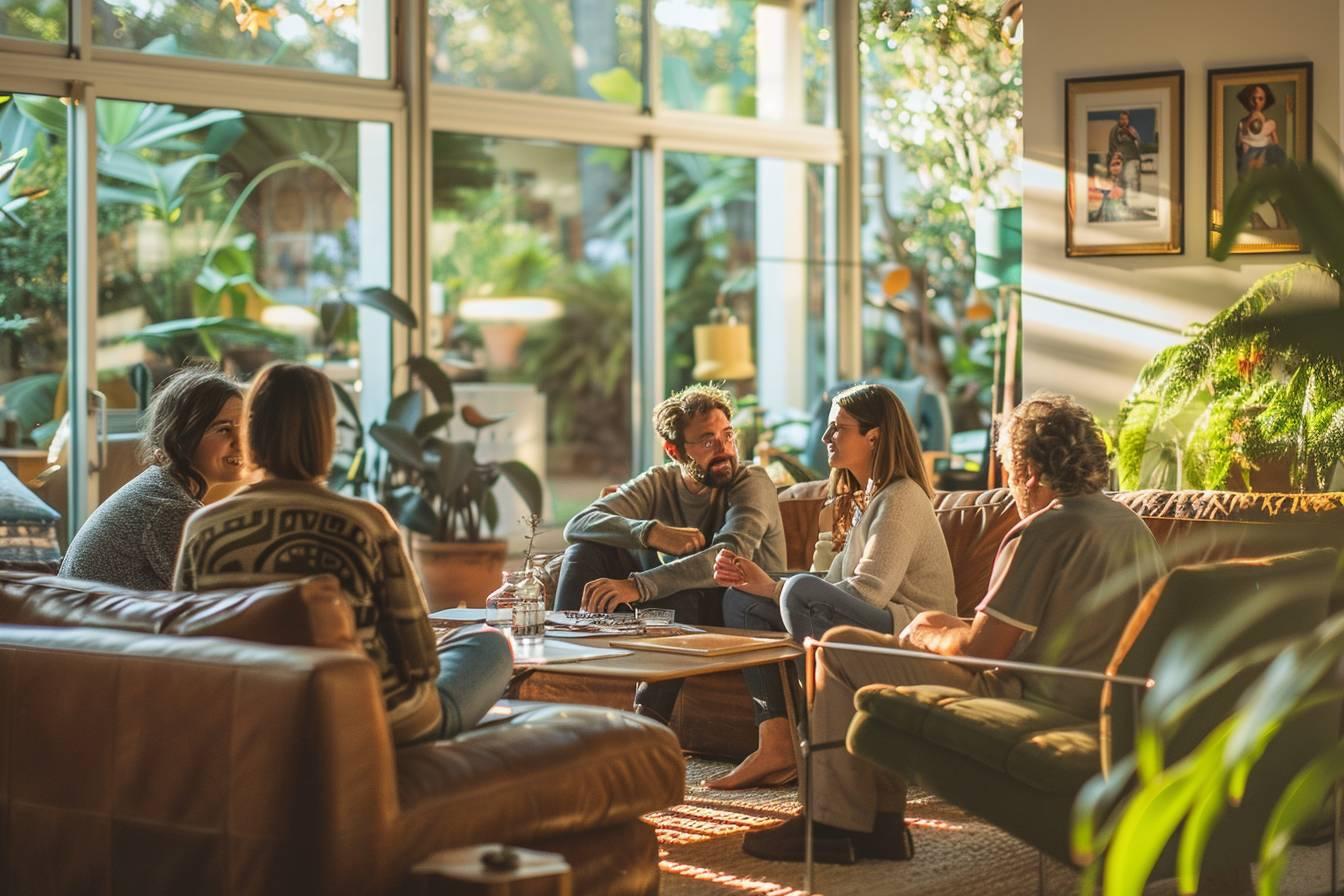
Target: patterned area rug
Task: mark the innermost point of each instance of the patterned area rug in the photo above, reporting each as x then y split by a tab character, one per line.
700	844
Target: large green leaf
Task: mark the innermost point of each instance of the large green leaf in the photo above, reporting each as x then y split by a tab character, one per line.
1309	198
457	462
410	508
384	300
399	444
406	409
525	482
1296	806
431	375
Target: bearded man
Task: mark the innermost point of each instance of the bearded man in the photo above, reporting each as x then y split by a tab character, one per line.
652	542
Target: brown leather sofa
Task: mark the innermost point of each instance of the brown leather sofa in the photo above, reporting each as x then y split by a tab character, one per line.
235	743
714	715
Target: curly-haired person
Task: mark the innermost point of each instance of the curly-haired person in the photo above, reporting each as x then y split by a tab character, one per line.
1077	563
652	542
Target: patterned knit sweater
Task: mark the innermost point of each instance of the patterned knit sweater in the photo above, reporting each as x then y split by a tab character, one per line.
283	529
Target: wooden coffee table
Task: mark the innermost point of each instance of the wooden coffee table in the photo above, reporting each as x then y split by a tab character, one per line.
610	681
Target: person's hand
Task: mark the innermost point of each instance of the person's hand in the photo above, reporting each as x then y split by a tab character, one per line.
607	595
675	540
917	634
735	571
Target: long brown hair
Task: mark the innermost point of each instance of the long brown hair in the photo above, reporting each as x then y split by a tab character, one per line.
896	455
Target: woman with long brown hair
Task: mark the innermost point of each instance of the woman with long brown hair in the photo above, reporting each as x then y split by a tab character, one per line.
893	564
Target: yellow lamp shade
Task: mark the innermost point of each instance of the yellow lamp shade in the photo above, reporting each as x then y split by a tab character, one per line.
723	352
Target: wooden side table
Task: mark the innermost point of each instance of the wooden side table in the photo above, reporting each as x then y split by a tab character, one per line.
461	872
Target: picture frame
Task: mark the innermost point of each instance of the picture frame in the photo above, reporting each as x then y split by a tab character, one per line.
1242	138
1124	162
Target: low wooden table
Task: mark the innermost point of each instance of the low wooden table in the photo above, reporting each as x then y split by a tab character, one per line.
610	681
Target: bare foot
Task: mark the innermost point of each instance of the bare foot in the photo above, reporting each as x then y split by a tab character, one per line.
756	771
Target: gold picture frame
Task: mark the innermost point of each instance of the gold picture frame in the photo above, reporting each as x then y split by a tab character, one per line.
1124	160
1258	116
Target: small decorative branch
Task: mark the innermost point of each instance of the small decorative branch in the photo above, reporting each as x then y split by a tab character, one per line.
531	522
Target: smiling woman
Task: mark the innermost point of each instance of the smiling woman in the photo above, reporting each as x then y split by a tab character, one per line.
191	443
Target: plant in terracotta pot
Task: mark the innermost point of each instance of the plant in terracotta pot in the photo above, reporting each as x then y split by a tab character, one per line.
436	487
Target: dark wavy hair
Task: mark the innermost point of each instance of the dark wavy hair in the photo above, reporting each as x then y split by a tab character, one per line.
1059	438
182	409
673	413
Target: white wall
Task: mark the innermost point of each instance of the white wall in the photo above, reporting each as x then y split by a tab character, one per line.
1091	323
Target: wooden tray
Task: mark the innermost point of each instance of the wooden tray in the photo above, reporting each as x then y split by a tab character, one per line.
706	644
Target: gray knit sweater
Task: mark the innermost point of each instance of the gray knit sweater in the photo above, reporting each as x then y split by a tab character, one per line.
131	540
742	516
896	556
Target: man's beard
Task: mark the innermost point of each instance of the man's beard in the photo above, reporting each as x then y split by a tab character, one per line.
709	477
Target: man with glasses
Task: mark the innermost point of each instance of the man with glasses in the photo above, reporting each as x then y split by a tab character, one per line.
652	542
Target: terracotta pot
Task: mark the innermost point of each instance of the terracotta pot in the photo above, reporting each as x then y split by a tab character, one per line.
458	573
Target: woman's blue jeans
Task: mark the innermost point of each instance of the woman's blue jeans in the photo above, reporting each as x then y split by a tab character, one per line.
475	665
809	606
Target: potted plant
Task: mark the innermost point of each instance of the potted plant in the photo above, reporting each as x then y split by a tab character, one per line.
1236	400
437	488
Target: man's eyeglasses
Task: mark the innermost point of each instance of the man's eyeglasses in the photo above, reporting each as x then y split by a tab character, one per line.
710	442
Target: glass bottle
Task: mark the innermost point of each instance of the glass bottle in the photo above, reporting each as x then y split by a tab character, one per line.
499	605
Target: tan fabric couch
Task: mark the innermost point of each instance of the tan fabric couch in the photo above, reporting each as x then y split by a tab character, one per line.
714	714
152	744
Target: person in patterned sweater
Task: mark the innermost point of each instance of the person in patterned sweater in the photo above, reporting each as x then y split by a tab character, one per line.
290	525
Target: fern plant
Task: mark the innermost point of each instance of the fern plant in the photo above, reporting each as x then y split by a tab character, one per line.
1237	393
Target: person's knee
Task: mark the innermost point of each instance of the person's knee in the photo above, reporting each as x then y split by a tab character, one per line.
496	655
799	606
736	608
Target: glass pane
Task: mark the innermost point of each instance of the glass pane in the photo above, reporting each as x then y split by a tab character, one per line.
222	237
532	280
583	48
34	19
740	57
33	302
942	120
337	36
749	237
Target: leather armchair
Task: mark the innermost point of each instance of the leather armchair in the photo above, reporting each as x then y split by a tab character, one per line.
146	753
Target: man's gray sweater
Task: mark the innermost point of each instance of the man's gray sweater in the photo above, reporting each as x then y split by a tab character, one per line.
742	516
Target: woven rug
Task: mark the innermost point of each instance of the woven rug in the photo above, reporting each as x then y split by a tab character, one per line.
700	846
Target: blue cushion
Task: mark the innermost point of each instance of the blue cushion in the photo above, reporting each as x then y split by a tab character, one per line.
19	505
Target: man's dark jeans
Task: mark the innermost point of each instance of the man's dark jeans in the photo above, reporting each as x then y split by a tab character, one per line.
585	561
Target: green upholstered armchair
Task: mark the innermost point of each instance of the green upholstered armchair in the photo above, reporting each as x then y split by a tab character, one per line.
1021	764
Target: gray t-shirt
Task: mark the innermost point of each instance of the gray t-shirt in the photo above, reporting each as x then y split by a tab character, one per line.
742	516
131	540
1079	566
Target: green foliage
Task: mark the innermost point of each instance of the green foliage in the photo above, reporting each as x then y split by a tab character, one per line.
1239	391
943	102
435	486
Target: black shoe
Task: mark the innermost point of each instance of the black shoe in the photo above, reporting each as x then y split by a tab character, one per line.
785	844
890	839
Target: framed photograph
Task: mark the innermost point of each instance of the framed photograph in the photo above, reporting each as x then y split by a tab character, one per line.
1123	156
1257	117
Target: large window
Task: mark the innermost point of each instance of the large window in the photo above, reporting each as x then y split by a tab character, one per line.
586	48
34	329
34	19
741	57
336	36
942	115
748	236
532	246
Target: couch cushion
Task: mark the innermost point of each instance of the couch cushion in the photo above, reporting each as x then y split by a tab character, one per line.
548	770
309	612
1042	747
974	524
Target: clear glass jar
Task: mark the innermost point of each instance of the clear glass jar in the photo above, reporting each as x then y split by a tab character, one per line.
529	611
499	605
